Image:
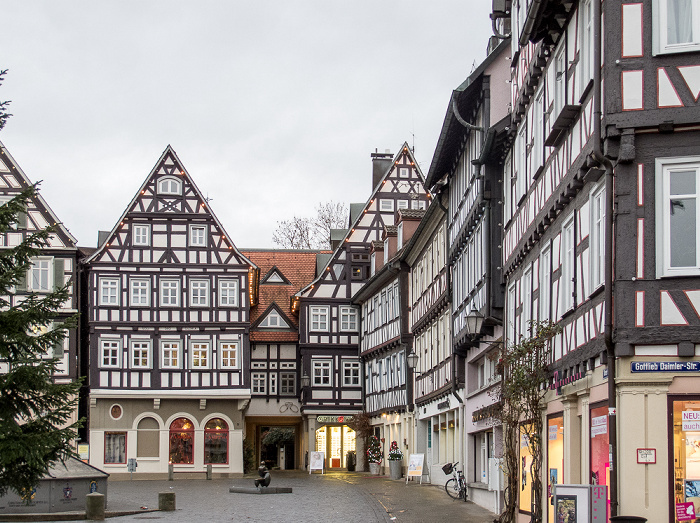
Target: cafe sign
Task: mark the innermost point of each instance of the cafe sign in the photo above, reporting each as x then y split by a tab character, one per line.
333	419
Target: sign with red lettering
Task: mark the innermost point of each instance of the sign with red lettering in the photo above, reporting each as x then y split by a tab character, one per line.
685	511
647	456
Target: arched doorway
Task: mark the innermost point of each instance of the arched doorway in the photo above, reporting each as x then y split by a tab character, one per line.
335	441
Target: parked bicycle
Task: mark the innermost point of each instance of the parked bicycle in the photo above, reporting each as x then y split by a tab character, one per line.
456	486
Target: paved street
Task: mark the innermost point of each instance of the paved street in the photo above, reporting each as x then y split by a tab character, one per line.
331	497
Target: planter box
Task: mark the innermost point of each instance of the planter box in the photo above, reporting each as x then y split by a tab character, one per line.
395	468
374	469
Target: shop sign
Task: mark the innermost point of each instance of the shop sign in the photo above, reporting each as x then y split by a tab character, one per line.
490	411
665	366
647	456
553	432
333	419
685	511
691	420
599	425
444	405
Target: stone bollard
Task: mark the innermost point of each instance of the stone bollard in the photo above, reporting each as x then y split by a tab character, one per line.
95	506
209	474
166	501
171	472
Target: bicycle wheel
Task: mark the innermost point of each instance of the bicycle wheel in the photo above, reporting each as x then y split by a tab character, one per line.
463	493
452	488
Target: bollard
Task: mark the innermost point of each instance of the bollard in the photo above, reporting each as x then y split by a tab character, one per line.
166	501
95	506
171	472
209	472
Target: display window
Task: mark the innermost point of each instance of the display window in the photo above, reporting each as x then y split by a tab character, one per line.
525	471
336	441
555	457
115	447
181	441
216	442
686	455
600	450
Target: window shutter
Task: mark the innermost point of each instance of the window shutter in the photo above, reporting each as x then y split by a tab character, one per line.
22	219
58	273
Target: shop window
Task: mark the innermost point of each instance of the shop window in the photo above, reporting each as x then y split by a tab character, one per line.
555	457
686	451
216	441
600	453
147	436
181	441
525	471
115	447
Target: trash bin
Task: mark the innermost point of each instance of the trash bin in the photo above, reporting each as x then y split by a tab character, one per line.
628	519
351	460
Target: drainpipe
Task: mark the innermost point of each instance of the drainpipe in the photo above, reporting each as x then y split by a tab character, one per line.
609	209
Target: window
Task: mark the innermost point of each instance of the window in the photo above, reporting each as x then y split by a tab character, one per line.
348	319
109	291
181	441
169	185
545	283
418	204
319	318
40	275
259	382
676	26
597	238
229	354
351	373
169	293
142	235
273	383
586	21
402	204
386	250
559	82
273	321
197	236
110	349
386	205
399	235
140	354
322	372
199	293
537	153
526	314
216	441
288	383
404	172
115	447
170	354
520	146
200	354
228	292
677	227
566	285
139	292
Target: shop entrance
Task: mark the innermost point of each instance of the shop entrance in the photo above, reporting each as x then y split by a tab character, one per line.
336	441
277	447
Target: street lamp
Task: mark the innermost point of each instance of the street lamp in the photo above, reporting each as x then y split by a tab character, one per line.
412	360
475	320
305	381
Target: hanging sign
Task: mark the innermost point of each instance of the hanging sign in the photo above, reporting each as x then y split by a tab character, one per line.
316	460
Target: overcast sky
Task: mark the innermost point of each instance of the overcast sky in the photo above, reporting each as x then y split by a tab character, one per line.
272	106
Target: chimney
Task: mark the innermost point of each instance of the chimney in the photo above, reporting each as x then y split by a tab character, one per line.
102	237
380	165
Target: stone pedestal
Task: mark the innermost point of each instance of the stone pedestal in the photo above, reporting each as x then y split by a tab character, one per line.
166	501
95	506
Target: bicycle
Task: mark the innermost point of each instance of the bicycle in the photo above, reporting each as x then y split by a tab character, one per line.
456	486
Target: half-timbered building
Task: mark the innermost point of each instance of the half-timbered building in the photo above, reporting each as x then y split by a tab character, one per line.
168	301
329	322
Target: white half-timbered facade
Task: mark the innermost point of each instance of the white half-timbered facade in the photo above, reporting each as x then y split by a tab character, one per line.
168	301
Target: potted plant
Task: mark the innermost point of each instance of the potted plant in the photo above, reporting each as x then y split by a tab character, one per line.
374	455
395	460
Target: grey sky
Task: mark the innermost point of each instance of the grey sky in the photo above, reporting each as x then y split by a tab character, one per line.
271	106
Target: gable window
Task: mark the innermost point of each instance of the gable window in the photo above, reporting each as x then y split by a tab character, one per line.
170	354
566	285
198	235
229	354
259	383
200	354
348	319
404	172
351	373
40	275
402	204
169	185
274	278
139	292
386	205
228	292
677	217
199	293
140	354
676	26
319	318
322	372
273	320
288	383
597	238
109	291
109	350
142	235
170	293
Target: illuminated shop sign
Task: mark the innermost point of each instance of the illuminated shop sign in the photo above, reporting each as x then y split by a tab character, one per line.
333	419
490	411
665	366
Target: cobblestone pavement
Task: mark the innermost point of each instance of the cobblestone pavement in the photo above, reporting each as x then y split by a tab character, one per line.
344	496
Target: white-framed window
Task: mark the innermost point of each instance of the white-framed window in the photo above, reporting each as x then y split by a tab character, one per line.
228	293
273	383
228	354
402	204
348	319
677	216
559	93
142	235
109	291
512	325
170	354
110	351
566	282
199	293
322	372
545	283
526	314
351	373
418	205
386	250
586	30
676	26
319	318
259	381
41	275
273	321
386	205
139	292
537	153
140	354
521	161
597	238
169	185
404	172
288	383
399	236
198	235
170	293
199	354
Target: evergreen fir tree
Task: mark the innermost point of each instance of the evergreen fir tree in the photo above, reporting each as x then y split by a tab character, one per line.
34	409
374	452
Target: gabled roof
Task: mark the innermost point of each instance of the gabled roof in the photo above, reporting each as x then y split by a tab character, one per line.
13	178
169	163
274	276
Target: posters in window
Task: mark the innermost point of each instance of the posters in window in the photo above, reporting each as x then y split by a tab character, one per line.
566	509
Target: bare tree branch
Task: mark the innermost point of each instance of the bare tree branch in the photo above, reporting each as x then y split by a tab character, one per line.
311	233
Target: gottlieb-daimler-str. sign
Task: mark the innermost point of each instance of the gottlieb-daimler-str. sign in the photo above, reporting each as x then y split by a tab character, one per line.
665	366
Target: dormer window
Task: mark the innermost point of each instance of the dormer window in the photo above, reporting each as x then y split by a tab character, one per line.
386	250
169	185
399	236
274	321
